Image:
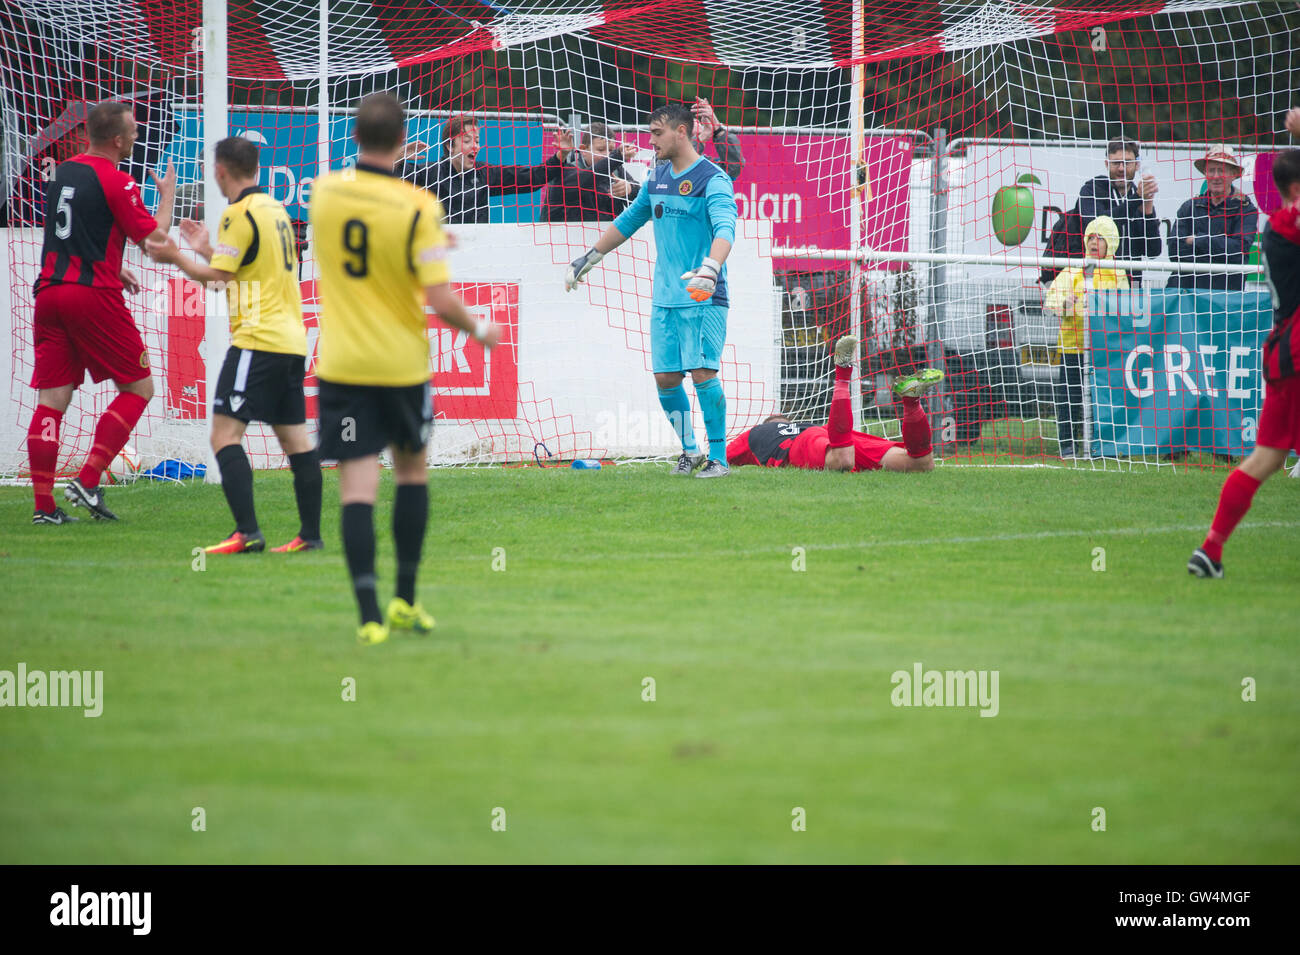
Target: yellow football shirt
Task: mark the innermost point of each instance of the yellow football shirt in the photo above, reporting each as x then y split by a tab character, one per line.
256	243
378	243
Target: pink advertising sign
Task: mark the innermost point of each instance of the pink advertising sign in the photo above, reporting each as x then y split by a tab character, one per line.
801	183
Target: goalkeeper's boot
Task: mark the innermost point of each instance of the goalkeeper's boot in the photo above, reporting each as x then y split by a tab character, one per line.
298	544
687	463
846	350
412	617
238	543
1200	565
368	634
917	384
92	499
56	516
714	469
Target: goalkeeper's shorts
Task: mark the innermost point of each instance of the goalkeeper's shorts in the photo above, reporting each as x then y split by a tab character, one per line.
682	339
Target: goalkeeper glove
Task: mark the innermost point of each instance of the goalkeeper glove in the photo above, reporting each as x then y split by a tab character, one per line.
579	267
701	282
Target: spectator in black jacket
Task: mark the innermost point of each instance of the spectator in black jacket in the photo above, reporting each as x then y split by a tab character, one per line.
1131	204
463	184
1217	226
583	191
594	184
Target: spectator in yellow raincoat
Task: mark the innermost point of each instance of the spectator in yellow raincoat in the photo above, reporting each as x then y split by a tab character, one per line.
1067	297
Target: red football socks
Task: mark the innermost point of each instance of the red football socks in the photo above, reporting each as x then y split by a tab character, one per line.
1234	501
840	423
916	428
43	454
115	426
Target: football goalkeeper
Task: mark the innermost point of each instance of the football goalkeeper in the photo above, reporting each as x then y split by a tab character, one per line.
694	210
779	442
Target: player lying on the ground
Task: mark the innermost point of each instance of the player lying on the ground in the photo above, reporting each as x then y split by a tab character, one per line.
262	377
778	441
1279	419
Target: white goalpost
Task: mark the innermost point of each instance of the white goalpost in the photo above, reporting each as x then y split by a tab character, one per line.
216	329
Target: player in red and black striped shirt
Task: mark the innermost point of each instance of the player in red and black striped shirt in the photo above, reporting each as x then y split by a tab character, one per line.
1279	419
81	322
835	446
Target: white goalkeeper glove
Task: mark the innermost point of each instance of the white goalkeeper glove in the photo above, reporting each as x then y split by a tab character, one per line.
579	267
701	282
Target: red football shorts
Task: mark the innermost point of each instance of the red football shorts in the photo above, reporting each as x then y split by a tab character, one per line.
1279	420
738	452
80	329
809	450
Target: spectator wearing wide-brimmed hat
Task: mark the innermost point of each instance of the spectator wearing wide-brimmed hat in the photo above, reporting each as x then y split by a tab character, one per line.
1217	226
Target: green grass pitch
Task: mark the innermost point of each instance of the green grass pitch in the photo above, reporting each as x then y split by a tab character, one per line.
1118	688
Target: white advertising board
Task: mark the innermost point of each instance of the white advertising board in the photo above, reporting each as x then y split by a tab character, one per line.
576	376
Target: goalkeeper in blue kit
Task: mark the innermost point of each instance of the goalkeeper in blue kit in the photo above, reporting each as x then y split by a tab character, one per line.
694	210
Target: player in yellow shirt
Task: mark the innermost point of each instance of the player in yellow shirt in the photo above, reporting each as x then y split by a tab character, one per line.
381	254
261	379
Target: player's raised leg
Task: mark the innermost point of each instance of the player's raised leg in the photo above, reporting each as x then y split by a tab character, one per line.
237	484
304	461
839	423
915	423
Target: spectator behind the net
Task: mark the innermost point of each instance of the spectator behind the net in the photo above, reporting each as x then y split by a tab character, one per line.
1067	297
584	190
1217	226
463	184
1130	203
189	198
707	129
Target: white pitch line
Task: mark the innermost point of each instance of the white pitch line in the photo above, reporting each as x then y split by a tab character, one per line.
915	542
752	552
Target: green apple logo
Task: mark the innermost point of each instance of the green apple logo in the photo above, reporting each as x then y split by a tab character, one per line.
1013	210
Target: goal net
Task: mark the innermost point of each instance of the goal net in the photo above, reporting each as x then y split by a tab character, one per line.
902	171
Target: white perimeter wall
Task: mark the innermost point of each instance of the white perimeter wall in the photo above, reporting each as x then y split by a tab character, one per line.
583	357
